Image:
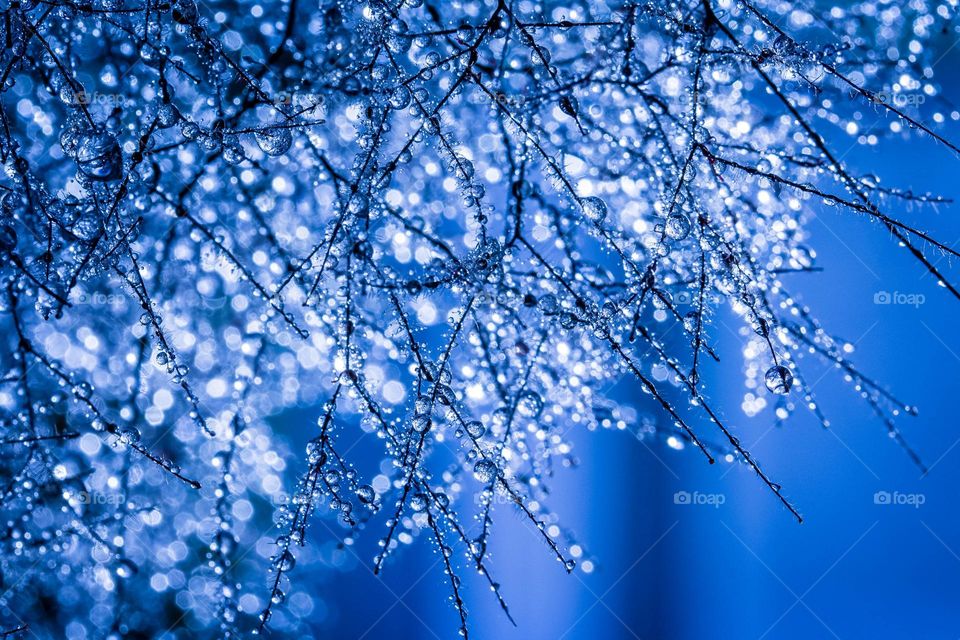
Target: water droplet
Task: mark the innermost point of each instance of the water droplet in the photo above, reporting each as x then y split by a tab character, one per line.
529	404
677	226
366	494
778	379
549	305
418	502
484	470
475	428
274	141
421	423
594	208
286	561
98	157
315	453
83	391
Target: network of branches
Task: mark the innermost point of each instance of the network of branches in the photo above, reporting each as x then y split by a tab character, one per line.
444	230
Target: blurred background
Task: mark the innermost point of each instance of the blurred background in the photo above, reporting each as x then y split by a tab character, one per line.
878	555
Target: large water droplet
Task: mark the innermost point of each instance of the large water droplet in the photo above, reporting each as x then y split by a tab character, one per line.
366	494
485	470
286	561
678	226
475	428
274	141
98	157
778	379
418	502
594	208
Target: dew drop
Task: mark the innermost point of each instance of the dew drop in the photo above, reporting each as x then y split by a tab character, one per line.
594	208
484	470
274	141
366	494
677	226
778	379
418	502
98	157
475	428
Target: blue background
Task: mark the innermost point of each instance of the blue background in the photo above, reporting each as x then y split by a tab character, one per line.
747	569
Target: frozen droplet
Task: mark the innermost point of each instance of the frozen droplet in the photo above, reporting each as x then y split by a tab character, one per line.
190	130
233	153
167	115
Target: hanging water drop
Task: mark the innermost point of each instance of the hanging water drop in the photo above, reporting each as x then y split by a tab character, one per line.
778	379
594	208
274	141
484	470
98	157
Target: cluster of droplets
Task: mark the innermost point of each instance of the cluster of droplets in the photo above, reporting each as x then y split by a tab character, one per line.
453	228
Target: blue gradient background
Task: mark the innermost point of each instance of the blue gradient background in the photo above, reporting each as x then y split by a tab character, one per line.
746	569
